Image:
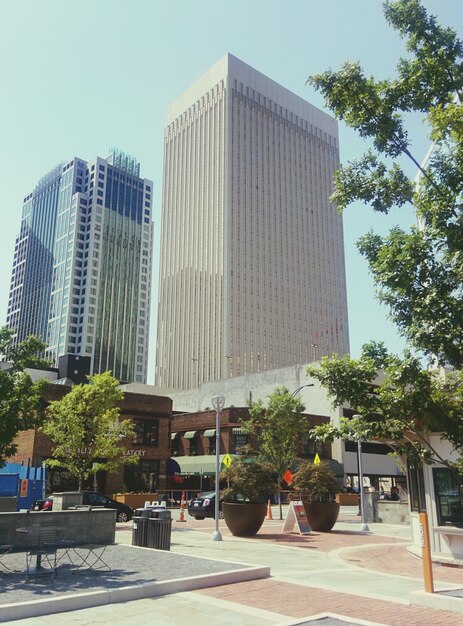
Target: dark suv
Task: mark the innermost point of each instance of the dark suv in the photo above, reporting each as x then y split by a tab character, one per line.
124	512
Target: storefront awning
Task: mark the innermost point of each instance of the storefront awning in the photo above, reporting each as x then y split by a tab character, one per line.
201	465
239	431
172	467
210	432
190	434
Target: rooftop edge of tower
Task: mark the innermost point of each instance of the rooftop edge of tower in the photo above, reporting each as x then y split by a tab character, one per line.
228	68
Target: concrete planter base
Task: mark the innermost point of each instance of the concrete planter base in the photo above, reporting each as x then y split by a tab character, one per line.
244	520
322	516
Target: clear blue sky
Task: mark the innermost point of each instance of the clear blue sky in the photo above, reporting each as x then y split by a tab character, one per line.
81	77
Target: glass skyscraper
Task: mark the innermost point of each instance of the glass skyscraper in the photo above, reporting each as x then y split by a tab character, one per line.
81	274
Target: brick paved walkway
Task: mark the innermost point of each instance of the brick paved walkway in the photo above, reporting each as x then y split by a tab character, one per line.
377	553
298	601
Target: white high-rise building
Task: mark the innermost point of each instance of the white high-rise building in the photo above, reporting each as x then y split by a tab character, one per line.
252	272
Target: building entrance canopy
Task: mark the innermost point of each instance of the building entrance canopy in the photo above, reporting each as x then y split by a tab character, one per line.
201	465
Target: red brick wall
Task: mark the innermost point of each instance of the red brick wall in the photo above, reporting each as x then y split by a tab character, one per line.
35	446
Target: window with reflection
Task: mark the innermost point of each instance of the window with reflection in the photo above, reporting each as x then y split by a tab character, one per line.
416	486
449	501
193	448
142	476
146	432
309	448
239	441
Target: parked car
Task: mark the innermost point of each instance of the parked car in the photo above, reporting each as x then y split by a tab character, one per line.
124	512
204	506
43	505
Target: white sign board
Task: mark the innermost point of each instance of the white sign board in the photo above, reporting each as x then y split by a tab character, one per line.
296	517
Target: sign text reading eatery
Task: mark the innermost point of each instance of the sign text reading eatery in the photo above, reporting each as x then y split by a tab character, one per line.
134	453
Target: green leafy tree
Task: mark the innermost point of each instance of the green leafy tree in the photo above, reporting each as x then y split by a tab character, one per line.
278	428
316	483
419	272
248	480
85	430
20	398
400	406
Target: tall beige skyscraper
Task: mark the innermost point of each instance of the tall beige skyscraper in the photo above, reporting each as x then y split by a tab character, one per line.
252	272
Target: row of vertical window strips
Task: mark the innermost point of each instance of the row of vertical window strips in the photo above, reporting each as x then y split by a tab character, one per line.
191	271
38	225
125	206
329	159
64	263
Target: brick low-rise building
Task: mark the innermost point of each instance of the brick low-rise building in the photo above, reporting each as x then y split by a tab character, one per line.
151	415
193	442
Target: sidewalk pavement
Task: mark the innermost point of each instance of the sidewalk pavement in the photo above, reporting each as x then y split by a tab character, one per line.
340	578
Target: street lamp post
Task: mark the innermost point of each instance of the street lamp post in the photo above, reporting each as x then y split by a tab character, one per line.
218	403
296	391
364	525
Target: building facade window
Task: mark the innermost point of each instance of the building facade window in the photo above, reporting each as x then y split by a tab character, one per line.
449	501
146	432
193	443
238	441
142	476
310	448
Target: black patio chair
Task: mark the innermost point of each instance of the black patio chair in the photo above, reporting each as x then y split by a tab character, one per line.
41	551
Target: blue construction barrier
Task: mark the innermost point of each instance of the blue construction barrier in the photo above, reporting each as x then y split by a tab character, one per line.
23	481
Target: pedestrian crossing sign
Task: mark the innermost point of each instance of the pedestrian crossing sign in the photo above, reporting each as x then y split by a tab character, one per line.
227	460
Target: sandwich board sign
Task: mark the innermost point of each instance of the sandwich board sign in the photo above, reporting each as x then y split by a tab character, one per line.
296	517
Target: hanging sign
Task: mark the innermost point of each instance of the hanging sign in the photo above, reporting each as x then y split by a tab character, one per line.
316	460
296	517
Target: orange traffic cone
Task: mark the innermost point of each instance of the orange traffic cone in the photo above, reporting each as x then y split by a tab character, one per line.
269	510
182	509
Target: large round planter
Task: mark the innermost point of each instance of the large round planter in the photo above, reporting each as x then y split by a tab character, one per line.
322	516
244	520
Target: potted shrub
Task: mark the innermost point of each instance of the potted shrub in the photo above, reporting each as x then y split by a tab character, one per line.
318	488
244	500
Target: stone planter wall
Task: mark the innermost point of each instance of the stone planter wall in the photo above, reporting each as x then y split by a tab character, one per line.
393	512
97	526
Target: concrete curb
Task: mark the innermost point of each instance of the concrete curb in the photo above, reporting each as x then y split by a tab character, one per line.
341	618
90	599
442	599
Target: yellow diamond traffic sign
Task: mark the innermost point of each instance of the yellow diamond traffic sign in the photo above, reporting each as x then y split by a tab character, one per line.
227	460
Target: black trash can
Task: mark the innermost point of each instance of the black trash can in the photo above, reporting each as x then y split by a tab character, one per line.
159	530
140	527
